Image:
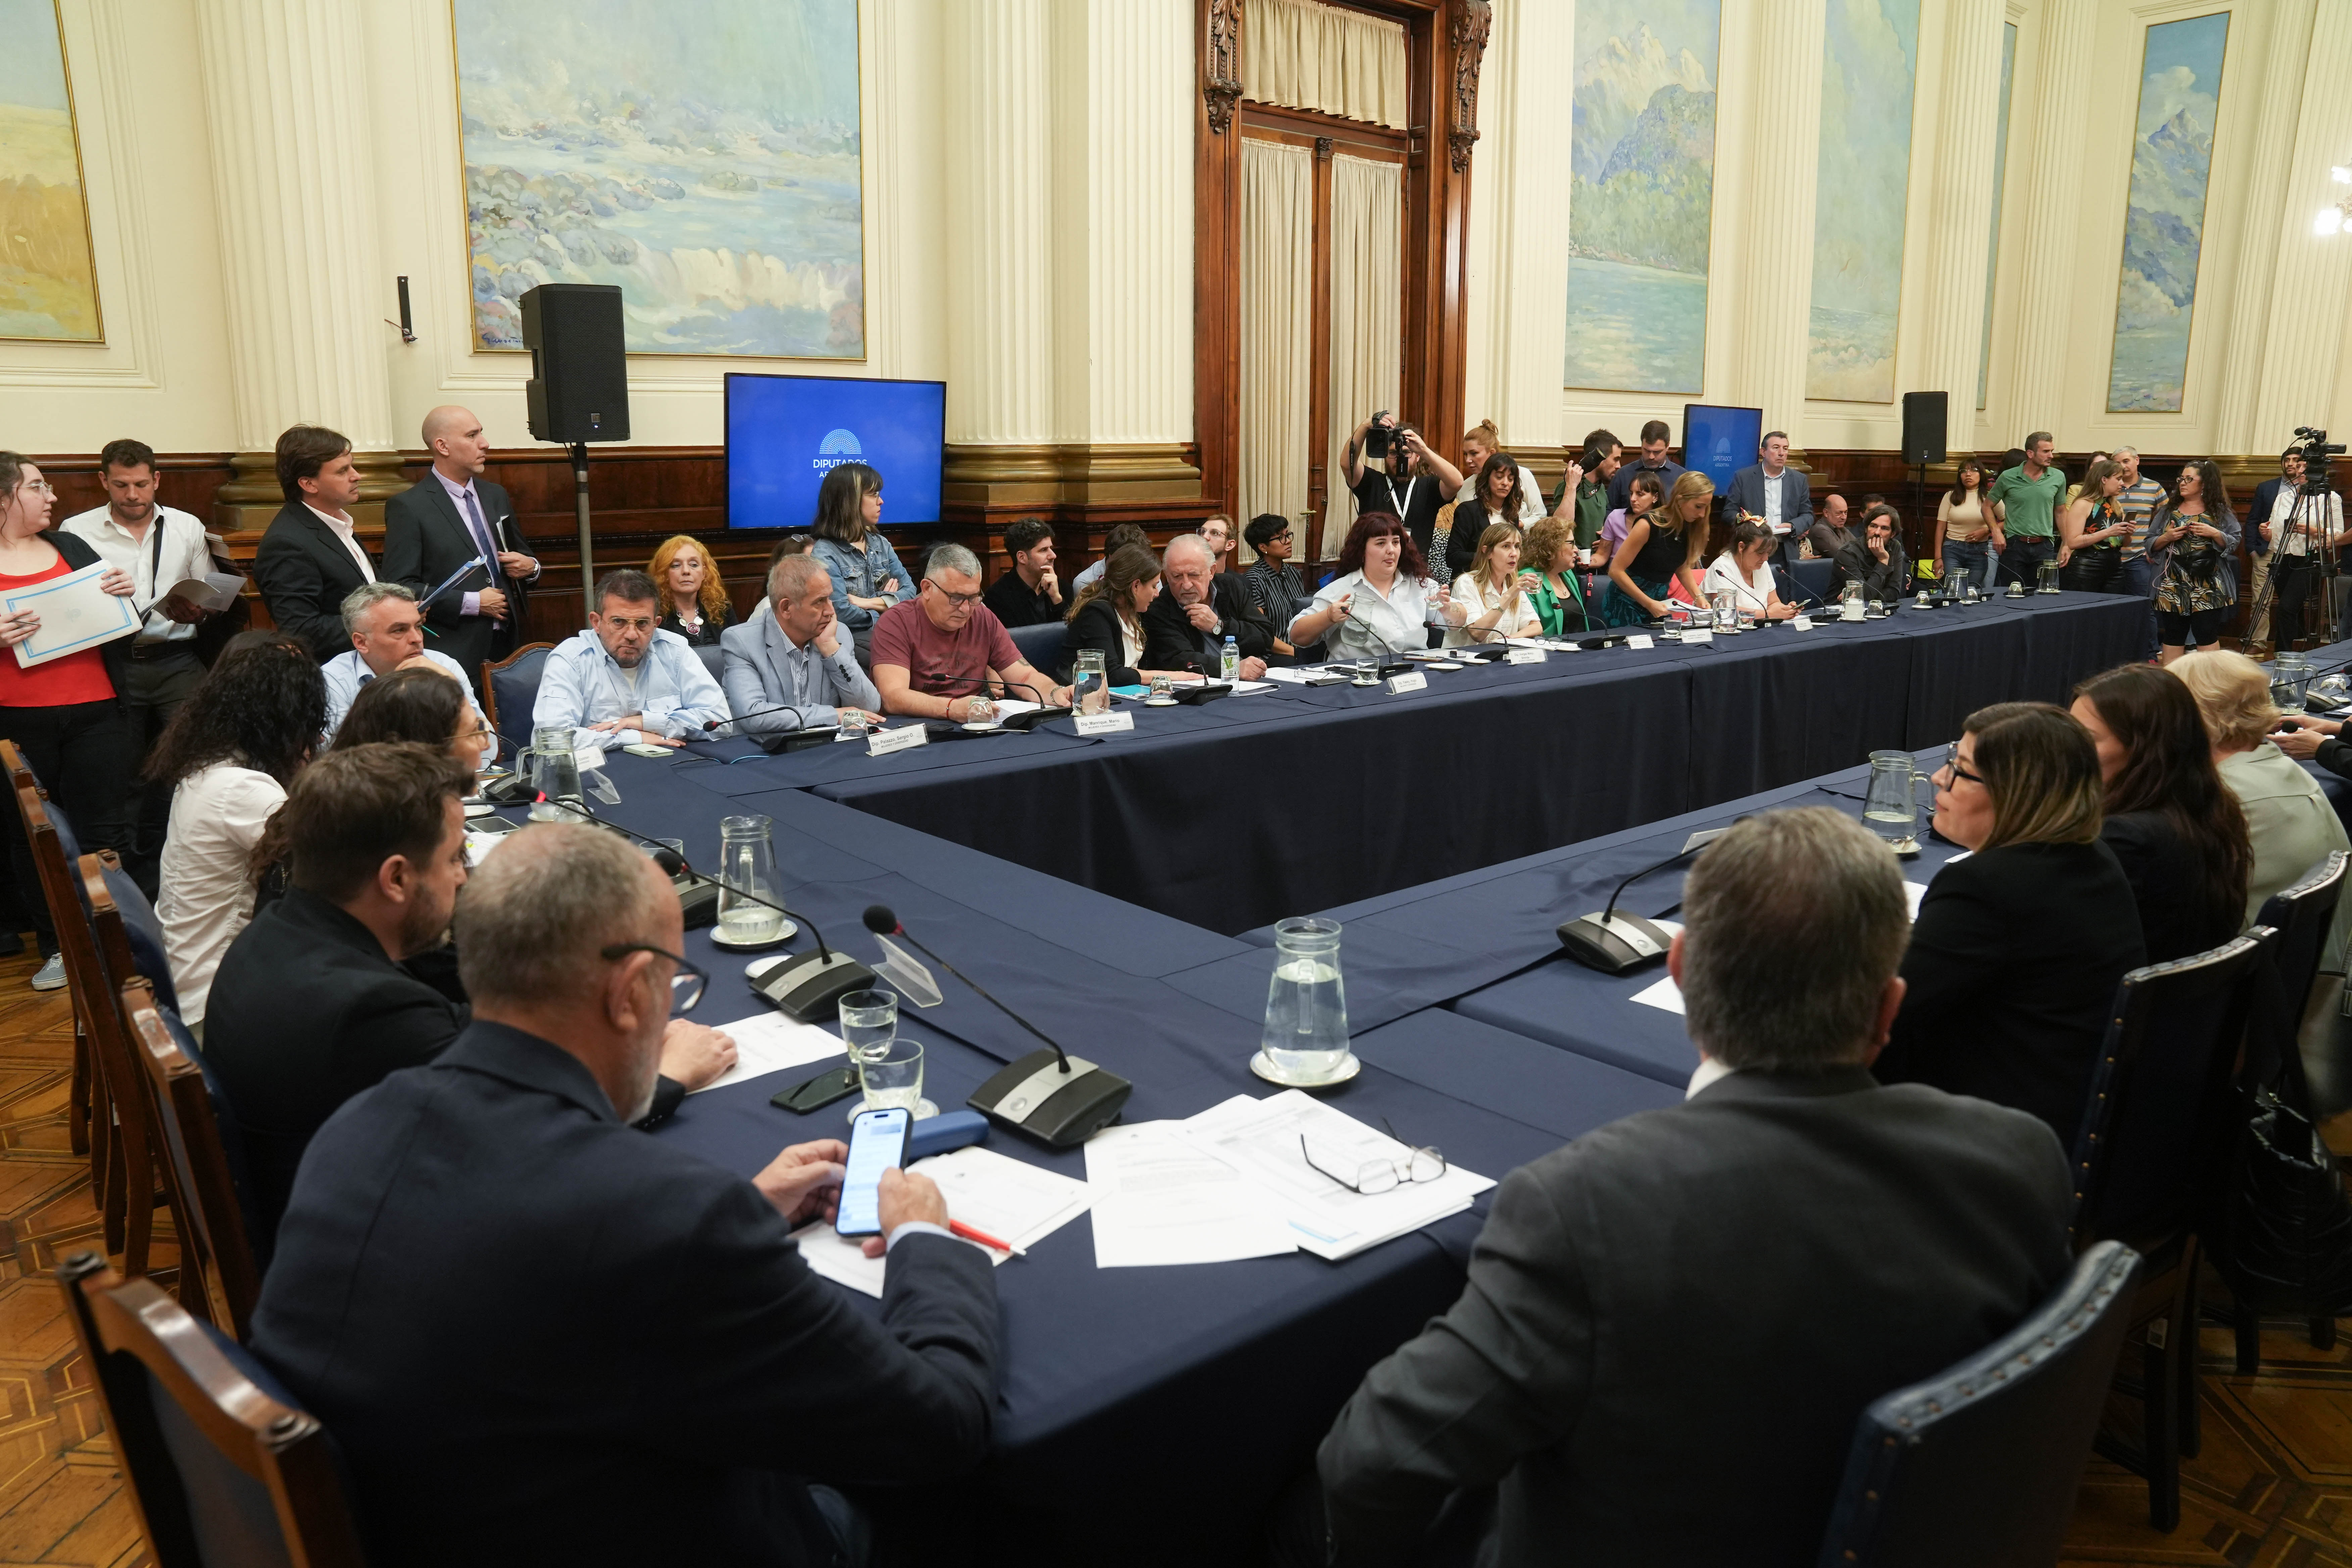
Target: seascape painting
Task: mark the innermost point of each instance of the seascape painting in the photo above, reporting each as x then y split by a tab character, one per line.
703	157
2000	180
1641	193
1871	59
2164	226
49	284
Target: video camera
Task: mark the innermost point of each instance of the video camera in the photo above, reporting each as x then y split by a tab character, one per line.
2315	449
1384	437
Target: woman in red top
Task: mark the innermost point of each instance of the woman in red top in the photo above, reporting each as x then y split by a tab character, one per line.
63	715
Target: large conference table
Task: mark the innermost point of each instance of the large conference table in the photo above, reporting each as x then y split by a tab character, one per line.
1152	1415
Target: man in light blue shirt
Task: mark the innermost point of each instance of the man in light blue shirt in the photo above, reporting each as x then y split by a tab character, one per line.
387	631
625	681
790	668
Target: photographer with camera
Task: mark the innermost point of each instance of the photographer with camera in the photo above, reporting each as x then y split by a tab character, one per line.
1392	469
2302	526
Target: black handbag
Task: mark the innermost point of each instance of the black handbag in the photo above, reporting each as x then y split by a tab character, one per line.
2283	1235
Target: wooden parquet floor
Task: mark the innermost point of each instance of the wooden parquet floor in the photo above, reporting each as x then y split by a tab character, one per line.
2272	1488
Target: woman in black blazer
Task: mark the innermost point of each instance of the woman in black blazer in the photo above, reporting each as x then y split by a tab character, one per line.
694	601
2175	827
2018	948
1108	616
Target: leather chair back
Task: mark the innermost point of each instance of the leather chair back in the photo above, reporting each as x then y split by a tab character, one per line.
2303	915
510	690
224	1466
1980	1464
713	658
1041	646
1813	577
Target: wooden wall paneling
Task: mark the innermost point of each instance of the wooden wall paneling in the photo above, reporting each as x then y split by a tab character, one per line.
187	480
1319	354
1217	255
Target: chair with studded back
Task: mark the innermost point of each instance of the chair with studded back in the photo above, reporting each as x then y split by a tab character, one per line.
1980	1463
224	1466
77	1113
510	691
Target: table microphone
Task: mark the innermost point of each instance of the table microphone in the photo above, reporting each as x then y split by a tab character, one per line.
1056	1099
799	738
1619	945
1025	723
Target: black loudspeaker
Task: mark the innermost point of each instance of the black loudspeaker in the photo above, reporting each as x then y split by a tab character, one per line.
579	386
1924	414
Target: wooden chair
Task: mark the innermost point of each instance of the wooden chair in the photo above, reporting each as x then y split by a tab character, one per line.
517	675
220	1273
79	1111
224	1467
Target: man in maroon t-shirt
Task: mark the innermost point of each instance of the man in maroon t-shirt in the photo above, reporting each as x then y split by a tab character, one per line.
937	650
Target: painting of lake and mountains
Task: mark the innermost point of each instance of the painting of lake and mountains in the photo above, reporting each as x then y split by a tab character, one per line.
1871	56
1641	193
2164	226
703	157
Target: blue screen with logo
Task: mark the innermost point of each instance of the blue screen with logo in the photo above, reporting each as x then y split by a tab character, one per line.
1720	442
784	432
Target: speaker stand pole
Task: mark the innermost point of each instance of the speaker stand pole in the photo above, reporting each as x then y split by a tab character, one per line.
579	505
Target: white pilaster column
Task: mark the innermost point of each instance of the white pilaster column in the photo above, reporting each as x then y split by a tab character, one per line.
2053	188
2278	107
286	102
1967	118
1775	234
2305	324
1000	221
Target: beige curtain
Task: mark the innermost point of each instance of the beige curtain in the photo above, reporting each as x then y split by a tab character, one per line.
1367	328
1303	54
1277	322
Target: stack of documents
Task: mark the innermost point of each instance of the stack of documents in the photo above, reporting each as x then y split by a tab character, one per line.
1158	1199
1008	1199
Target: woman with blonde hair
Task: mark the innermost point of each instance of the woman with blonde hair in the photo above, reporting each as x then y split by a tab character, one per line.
1661	549
1994	1005
1548	574
1496	606
693	600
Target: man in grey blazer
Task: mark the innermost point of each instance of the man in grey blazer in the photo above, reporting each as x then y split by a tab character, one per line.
1671	1324
1774	494
789	668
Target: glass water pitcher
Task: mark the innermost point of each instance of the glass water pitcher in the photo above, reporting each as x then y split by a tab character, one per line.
747	865
1306	1036
1890	808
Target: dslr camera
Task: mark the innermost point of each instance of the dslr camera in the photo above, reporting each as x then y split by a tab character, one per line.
2315	449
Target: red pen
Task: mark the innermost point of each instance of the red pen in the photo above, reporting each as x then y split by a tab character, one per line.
981	1237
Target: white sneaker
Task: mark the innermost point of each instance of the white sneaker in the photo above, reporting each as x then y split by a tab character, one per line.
52	975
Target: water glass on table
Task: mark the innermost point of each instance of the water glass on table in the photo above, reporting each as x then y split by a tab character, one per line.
869	1019
892	1074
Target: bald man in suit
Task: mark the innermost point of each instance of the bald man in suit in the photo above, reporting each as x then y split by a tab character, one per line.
446	519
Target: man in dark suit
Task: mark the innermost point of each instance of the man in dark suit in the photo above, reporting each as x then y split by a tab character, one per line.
309	558
341	982
1671	1324
1187	626
450	517
540	1337
1774	494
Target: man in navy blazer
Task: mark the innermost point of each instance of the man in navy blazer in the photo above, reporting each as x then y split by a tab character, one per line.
789	668
309	558
1774	493
541	1337
450	517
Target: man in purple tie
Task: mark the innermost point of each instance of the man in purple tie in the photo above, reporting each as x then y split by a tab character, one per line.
452	517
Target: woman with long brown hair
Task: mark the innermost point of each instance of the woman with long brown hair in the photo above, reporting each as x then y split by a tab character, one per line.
1964	531
1494	606
1107	614
2091	533
1660	549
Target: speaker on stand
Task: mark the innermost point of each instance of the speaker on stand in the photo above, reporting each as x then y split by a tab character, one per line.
579	386
1924	417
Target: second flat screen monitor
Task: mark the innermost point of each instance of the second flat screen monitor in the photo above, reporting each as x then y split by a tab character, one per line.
786	433
1719	441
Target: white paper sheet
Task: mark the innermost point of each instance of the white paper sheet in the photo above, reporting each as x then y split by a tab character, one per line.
1912	893
1261	1138
75	614
1010	1199
213	591
1289	675
1663	994
1159	1200
769	1042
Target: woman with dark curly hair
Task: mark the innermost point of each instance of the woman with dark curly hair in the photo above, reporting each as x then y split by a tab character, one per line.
228	756
1381	603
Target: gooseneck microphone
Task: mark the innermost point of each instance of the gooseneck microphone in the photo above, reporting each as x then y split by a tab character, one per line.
793	740
1619	945
1056	1099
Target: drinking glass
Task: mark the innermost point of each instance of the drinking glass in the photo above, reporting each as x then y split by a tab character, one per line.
1162	688
870	1020
747	865
554	772
1304	1040
892	1074
982	711
1089	687
676	847
1368	672
2048	573
850	724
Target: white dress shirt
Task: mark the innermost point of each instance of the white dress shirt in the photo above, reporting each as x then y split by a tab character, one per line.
1708	1071
340	527
205	887
581	685
1522	621
2330	525
1377	626
1773	483
347	672
1752	593
183	555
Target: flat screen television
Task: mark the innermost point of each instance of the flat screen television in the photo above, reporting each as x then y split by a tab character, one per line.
784	433
1719	441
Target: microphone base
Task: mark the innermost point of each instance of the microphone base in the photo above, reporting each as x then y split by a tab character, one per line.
806	987
1617	946
799	741
1031	1096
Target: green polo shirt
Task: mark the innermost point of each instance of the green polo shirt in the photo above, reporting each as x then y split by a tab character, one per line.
2030	505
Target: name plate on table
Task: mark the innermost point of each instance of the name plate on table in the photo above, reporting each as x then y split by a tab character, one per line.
1689	638
1803	624
1524	656
1104	723
1401	684
885	742
1853	612
1639	639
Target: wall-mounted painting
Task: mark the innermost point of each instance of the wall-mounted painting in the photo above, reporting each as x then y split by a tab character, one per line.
1641	189
2164	226
48	286
703	157
1870	58
1999	182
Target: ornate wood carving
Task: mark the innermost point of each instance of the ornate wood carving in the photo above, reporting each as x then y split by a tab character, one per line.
1220	63
1322	149
1473	21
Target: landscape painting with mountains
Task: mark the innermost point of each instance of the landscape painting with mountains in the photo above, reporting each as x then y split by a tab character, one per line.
2172	157
1642	194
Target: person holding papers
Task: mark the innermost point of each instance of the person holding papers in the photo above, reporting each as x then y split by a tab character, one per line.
65	713
1381	603
451	517
1584	1392
625	681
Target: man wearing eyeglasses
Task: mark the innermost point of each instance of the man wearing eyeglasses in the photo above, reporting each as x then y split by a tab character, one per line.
937	654
334	986
625	680
508	1308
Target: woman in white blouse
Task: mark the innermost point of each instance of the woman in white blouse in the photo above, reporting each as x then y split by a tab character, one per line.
1744	572
1381	603
228	756
1494	605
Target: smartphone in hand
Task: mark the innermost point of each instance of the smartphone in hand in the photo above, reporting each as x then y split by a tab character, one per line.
877	1141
